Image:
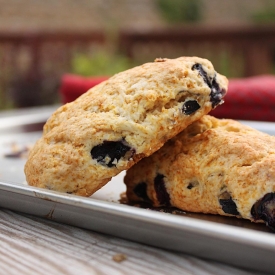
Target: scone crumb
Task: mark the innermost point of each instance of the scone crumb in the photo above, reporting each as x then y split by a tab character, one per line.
119	257
160	59
123	198
18	151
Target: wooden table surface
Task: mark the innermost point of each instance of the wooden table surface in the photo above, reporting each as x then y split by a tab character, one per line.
33	245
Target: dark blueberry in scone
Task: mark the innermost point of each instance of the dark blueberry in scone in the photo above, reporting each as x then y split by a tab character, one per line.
141	191
227	204
202	73
192	184
264	209
217	93
162	194
190	107
110	152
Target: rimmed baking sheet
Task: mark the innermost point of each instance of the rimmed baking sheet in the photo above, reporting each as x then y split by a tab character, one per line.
229	240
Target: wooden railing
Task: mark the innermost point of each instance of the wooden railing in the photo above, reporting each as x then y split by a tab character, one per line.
31	63
235	51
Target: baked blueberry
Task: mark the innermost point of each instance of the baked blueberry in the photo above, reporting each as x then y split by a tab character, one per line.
162	194
264	209
110	152
216	93
192	184
227	204
141	191
202	73
190	107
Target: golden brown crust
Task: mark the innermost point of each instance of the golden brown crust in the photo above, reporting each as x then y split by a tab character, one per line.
138	110
210	163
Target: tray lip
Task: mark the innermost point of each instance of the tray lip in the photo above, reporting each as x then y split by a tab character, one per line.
246	236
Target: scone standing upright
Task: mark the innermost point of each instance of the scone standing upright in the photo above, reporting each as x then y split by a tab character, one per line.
115	124
213	166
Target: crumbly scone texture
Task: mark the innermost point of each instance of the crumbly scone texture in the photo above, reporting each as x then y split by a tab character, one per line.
116	123
216	166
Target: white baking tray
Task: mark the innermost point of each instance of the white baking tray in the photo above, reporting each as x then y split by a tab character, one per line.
229	240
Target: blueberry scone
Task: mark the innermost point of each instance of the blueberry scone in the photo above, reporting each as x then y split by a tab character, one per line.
118	122
214	166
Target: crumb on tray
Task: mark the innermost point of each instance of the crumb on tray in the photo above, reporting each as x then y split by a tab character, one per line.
17	151
119	257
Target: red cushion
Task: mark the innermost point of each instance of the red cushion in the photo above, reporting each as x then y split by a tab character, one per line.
72	86
251	98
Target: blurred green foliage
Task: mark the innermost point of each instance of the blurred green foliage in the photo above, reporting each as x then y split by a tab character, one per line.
5	103
264	17
100	63
180	11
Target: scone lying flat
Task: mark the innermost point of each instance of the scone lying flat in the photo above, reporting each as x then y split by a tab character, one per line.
115	124
213	166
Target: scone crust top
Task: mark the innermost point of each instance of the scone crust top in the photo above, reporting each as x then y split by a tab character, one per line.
142	108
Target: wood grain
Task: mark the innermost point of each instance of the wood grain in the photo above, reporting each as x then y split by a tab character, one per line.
32	245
